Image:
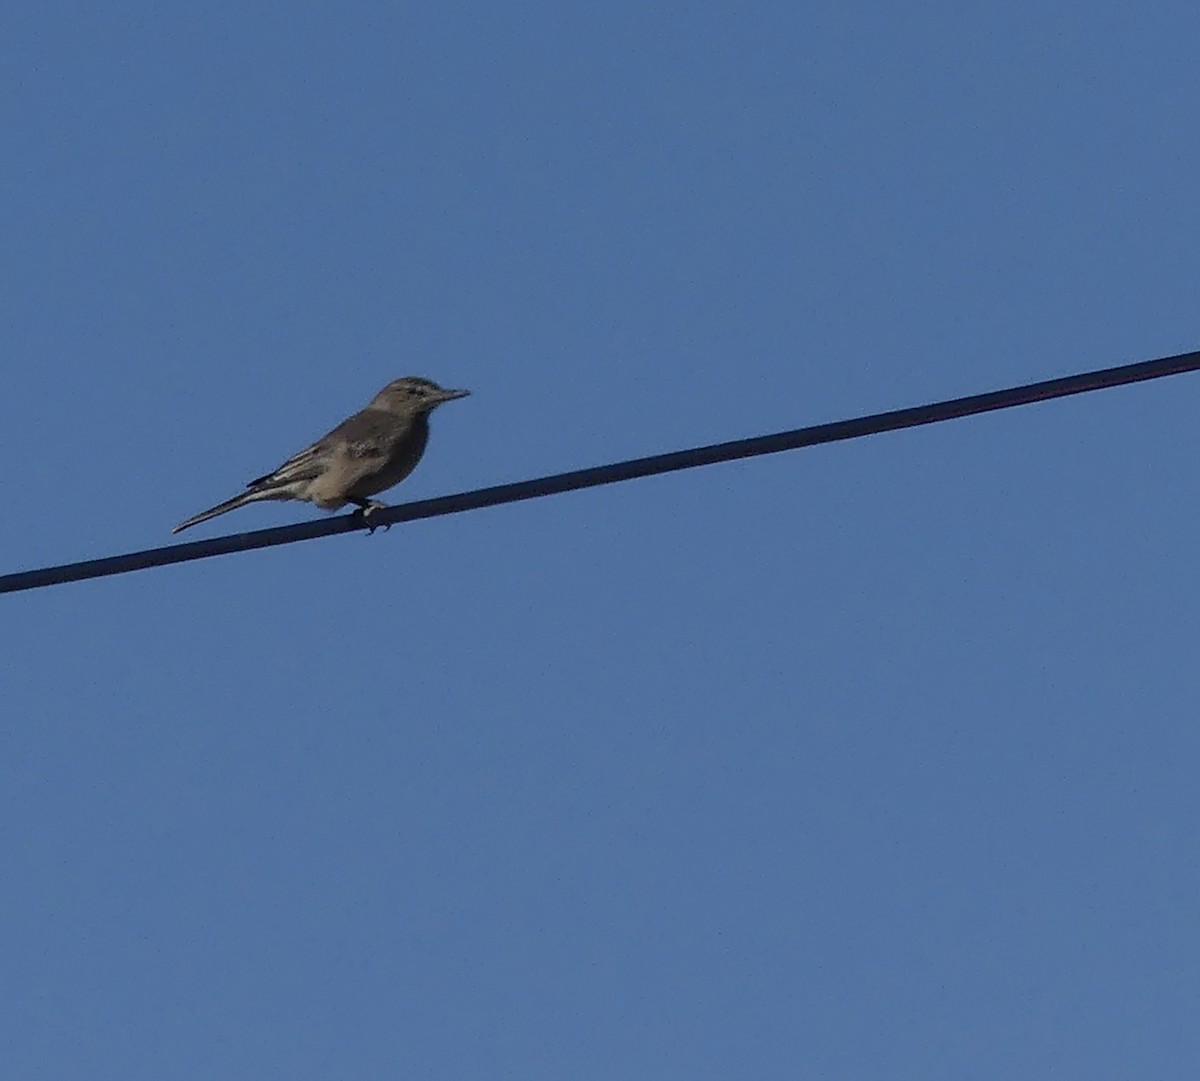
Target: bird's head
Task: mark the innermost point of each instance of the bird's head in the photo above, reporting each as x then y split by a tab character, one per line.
414	394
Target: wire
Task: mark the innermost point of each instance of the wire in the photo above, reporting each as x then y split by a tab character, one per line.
610	474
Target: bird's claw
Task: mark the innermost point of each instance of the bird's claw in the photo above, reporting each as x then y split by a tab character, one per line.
367	510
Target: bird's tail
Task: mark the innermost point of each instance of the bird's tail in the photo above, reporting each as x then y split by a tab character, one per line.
240	500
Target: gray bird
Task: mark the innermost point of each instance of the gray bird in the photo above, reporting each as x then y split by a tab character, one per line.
364	455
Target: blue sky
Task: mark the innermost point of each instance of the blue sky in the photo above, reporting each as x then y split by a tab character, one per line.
872	760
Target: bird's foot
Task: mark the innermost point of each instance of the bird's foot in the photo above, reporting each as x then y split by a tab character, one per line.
369	507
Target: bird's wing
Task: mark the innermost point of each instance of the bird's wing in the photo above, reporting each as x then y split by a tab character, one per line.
361	436
305	465
368	434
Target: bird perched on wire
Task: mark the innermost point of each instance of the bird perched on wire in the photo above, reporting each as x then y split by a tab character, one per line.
365	454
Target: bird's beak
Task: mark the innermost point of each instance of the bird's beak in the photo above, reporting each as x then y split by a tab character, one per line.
450	395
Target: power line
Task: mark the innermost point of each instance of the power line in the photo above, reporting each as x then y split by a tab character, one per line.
611	474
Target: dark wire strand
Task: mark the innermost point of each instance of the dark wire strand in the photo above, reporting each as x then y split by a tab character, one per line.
610	474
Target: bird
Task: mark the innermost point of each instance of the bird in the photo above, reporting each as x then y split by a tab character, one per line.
367	453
